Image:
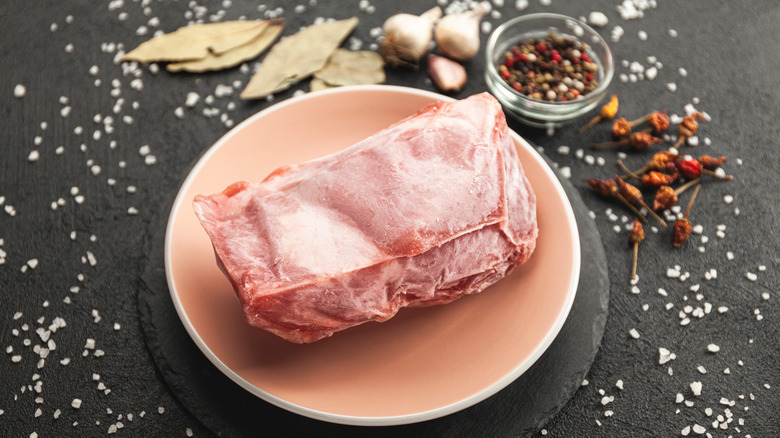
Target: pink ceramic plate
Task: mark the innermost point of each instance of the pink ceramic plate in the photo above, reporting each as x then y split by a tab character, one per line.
422	364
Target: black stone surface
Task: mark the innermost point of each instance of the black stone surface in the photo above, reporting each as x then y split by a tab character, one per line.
728	51
519	410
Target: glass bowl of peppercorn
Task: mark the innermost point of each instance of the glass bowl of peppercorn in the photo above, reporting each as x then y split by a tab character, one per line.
548	69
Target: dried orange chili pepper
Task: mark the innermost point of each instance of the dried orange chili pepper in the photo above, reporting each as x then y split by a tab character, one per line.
682	227
634	196
608	188
658	121
711	163
664	199
636	236
621	127
688	127
638	141
656	179
608	111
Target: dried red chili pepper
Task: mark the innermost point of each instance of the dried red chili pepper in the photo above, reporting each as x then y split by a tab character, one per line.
682	227
656	179
689	168
636	236
608	188
634	196
688	127
608	111
671	169
637	140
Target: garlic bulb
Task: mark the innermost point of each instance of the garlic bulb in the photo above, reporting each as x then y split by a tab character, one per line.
457	35
407	37
446	74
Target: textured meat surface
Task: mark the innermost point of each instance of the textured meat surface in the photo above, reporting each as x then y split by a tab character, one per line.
430	209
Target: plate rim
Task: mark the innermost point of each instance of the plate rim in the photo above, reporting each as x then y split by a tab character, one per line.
368	420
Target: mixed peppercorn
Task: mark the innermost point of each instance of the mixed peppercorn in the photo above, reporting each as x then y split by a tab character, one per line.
555	69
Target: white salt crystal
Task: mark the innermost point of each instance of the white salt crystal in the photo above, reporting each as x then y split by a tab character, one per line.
598	19
20	91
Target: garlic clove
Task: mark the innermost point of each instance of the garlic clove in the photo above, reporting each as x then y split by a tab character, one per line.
447	75
457	35
407	37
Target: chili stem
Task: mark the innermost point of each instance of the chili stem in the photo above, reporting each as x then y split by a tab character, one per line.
639	214
715	175
679	141
642	119
678	191
690	203
654	215
592	122
628	172
633	267
611	143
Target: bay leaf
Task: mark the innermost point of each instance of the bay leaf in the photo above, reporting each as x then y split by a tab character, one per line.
297	57
232	57
197	41
317	84
346	67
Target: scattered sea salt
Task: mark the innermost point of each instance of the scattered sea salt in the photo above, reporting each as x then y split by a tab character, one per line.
597	19
20	91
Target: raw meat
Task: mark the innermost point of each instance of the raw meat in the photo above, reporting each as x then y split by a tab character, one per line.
428	210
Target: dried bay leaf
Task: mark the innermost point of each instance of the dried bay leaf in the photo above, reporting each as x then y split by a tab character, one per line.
346	67
297	57
197	41
234	56
317	84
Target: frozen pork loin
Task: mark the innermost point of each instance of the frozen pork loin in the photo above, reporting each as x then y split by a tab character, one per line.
432	208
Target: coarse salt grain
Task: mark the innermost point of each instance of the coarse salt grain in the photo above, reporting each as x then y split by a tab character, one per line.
598	19
712	348
20	91
76	403
634	333
696	388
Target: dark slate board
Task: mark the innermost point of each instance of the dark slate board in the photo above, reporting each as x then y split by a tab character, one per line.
520	409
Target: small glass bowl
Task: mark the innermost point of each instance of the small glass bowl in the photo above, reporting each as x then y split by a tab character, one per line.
539	113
